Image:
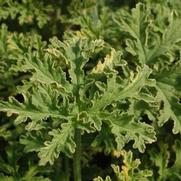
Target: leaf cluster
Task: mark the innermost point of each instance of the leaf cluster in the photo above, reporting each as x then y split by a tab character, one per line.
108	71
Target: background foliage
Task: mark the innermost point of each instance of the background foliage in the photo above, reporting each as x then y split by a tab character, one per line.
96	78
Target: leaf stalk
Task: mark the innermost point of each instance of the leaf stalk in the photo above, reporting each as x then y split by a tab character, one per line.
77	157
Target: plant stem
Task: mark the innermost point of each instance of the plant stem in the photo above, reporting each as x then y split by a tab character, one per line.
58	167
77	157
67	169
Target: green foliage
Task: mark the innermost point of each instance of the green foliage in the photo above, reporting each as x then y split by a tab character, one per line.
107	81
129	169
26	11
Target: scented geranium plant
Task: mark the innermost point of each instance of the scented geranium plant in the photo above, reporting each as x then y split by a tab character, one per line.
106	84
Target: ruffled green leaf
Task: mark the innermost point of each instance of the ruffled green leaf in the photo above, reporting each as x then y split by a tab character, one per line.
148	37
169	95
62	141
38	105
125	129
